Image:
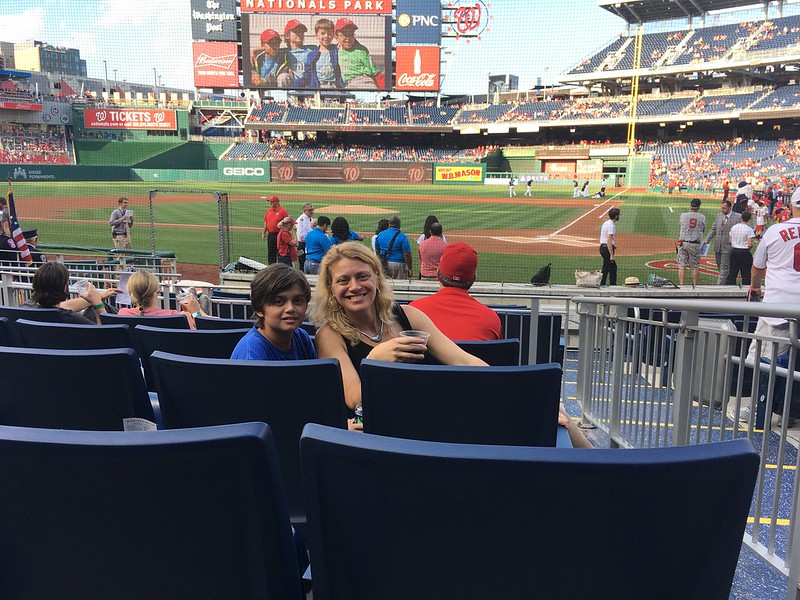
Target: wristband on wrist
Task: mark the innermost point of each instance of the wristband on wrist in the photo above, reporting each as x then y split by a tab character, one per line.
198	314
98	306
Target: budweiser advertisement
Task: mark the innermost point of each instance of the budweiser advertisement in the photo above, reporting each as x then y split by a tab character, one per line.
215	65
417	68
128	118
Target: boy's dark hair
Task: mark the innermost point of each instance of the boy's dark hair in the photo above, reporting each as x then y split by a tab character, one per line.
121	200
340	229
613	213
323	220
50	285
746	216
272	281
447	282
323	23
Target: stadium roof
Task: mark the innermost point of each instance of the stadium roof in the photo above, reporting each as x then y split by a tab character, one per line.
647	11
17	74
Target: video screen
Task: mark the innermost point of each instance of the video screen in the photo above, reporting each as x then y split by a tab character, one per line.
316	52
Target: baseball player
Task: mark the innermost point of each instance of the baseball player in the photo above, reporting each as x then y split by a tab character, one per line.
693	224
528	186
512	192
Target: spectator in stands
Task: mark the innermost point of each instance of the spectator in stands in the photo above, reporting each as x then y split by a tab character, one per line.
457	314
358	319
269	62
741	240
298	55
394	245
317	245
426	229
721	229
274	215
383	225
358	70
324	59
121	221
430	252
287	247
5	220
341	232
143	288
692	226
51	290
279	296
303	227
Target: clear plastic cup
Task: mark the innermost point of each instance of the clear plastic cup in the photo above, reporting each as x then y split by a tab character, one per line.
81	286
185	295
415	333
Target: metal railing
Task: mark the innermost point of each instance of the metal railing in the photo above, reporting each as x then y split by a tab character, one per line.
663	372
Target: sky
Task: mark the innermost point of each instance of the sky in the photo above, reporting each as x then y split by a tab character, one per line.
528	38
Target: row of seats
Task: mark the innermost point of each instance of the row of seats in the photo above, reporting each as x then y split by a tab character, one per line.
202	513
272	113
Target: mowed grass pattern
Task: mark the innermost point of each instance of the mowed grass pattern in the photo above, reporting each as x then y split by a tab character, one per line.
79	213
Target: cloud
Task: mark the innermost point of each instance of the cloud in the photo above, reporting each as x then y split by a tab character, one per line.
28	25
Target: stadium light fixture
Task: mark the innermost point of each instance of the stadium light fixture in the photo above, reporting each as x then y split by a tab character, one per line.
662	124
689	123
759	122
726	121
683	126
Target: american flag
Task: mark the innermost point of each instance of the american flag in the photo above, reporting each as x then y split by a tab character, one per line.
16	231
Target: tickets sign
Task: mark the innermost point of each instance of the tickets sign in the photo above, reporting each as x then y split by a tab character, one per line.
472	173
111	118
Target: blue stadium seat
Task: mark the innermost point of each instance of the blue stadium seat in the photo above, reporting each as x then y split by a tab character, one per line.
196	513
68	336
73	389
496	353
196	392
462	521
513	406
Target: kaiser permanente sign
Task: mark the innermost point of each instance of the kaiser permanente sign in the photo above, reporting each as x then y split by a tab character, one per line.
112	118
470	173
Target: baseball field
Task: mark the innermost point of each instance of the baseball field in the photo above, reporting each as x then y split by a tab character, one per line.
514	236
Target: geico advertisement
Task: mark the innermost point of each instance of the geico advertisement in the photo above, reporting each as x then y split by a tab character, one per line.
111	118
246	171
458	174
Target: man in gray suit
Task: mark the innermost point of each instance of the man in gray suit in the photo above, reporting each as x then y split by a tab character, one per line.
721	229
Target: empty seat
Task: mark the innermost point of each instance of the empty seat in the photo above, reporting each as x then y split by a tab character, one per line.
68	336
496	353
196	513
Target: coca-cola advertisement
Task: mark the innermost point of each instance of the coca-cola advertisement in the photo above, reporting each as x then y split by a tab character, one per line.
417	68
215	65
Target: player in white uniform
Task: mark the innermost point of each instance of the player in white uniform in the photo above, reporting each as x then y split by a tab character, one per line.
778	256
762	214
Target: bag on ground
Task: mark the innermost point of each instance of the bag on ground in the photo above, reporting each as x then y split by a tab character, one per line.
542	276
588	278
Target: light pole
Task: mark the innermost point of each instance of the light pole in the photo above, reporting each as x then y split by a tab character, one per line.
115	79
488	86
105	68
155	79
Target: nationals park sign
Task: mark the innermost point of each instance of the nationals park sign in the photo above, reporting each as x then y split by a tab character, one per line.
112	118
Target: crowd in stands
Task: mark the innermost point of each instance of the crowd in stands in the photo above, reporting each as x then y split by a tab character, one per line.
33	144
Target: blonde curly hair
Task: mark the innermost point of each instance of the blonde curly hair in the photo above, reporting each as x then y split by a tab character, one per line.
325	308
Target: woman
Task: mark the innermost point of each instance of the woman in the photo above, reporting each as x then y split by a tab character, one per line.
143	288
341	232
51	290
358	319
383	225
426	229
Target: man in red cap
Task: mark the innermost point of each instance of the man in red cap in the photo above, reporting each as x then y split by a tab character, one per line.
298	55
269	61
275	214
457	314
355	62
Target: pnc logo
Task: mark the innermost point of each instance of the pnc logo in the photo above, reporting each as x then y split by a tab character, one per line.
243	171
405	20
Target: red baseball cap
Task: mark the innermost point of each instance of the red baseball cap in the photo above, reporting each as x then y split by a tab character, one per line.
269	34
274	199
293	24
342	23
459	262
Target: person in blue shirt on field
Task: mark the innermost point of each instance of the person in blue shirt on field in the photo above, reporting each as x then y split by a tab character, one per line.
395	245
341	232
317	245
279	296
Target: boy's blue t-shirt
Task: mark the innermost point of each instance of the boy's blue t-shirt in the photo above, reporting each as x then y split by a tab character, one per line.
254	346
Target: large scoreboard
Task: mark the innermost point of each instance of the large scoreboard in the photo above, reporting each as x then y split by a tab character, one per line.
353	45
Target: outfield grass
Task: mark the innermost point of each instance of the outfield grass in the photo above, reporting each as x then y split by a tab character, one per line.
88	205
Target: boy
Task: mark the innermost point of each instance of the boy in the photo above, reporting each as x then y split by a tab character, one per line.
279	296
762	214
324	60
287	248
358	70
298	56
269	62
